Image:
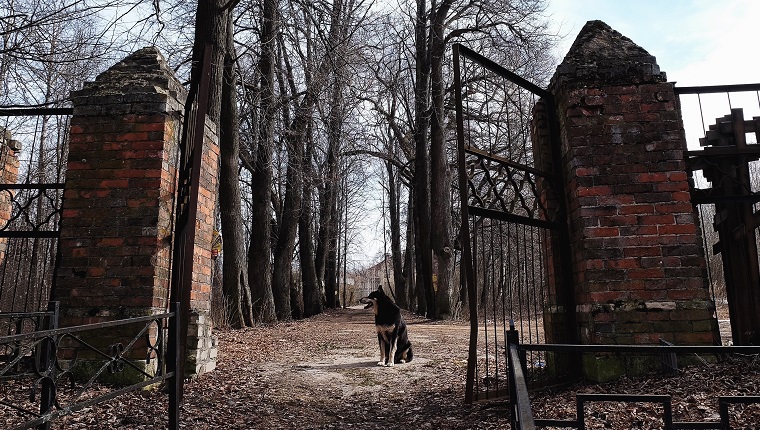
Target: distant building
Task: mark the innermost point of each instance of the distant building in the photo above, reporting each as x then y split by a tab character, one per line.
367	280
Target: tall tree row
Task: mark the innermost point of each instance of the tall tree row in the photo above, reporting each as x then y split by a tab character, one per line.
293	162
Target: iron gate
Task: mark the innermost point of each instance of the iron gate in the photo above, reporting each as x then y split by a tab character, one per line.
516	251
31	191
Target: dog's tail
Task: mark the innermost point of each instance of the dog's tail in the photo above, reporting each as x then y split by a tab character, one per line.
409	354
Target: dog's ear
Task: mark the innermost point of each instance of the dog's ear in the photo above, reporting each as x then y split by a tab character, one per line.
380	288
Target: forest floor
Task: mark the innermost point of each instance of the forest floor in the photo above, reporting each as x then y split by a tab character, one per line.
321	373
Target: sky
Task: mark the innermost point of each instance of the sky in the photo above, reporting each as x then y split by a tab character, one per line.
696	43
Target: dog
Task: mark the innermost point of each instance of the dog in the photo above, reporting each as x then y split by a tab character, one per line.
391	329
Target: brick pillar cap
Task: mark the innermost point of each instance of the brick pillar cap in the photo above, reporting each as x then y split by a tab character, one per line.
603	56
141	73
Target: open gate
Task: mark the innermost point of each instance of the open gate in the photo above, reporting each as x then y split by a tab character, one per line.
514	231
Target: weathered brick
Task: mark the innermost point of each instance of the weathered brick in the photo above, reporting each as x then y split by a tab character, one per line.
628	263
120	183
659	220
689	229
602	232
652	177
636	209
623	143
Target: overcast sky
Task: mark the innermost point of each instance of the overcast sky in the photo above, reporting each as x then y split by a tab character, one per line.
696	42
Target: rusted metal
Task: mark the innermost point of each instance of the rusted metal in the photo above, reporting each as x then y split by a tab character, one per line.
520	411
468	269
520	400
34	111
51	367
29	229
715	89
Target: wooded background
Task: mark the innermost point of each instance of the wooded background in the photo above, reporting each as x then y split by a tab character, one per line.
315	101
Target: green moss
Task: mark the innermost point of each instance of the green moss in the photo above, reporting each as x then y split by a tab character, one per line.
84	370
602	368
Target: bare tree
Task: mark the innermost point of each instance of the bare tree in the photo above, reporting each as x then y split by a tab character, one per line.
235	275
259	251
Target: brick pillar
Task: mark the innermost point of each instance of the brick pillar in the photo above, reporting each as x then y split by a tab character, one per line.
201	343
118	206
639	266
9	164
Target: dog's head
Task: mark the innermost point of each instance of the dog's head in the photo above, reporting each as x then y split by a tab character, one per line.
373	297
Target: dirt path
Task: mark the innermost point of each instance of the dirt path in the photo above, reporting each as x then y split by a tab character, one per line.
323	373
319	373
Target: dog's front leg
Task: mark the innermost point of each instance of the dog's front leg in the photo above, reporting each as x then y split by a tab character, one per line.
381	342
387	351
392	351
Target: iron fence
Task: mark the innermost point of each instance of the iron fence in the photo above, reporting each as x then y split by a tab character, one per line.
55	372
722	126
521	376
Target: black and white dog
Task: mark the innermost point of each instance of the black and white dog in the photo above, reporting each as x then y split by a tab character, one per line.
391	329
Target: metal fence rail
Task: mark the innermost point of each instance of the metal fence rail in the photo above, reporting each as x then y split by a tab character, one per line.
521	416
42	375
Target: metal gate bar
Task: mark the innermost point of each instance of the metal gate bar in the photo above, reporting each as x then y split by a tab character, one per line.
29	235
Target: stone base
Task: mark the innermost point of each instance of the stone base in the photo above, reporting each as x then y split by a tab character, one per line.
605	368
609	367
201	345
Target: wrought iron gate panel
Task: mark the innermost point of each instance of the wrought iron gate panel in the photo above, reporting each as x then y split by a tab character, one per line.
514	229
30	204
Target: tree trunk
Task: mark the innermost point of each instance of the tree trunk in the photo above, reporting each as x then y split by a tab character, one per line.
327	253
409	256
286	235
331	266
259	248
396	256
312	294
332	220
234	276
440	179
421	186
211	27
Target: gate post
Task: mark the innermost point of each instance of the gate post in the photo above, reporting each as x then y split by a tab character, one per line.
118	207
638	263
9	164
